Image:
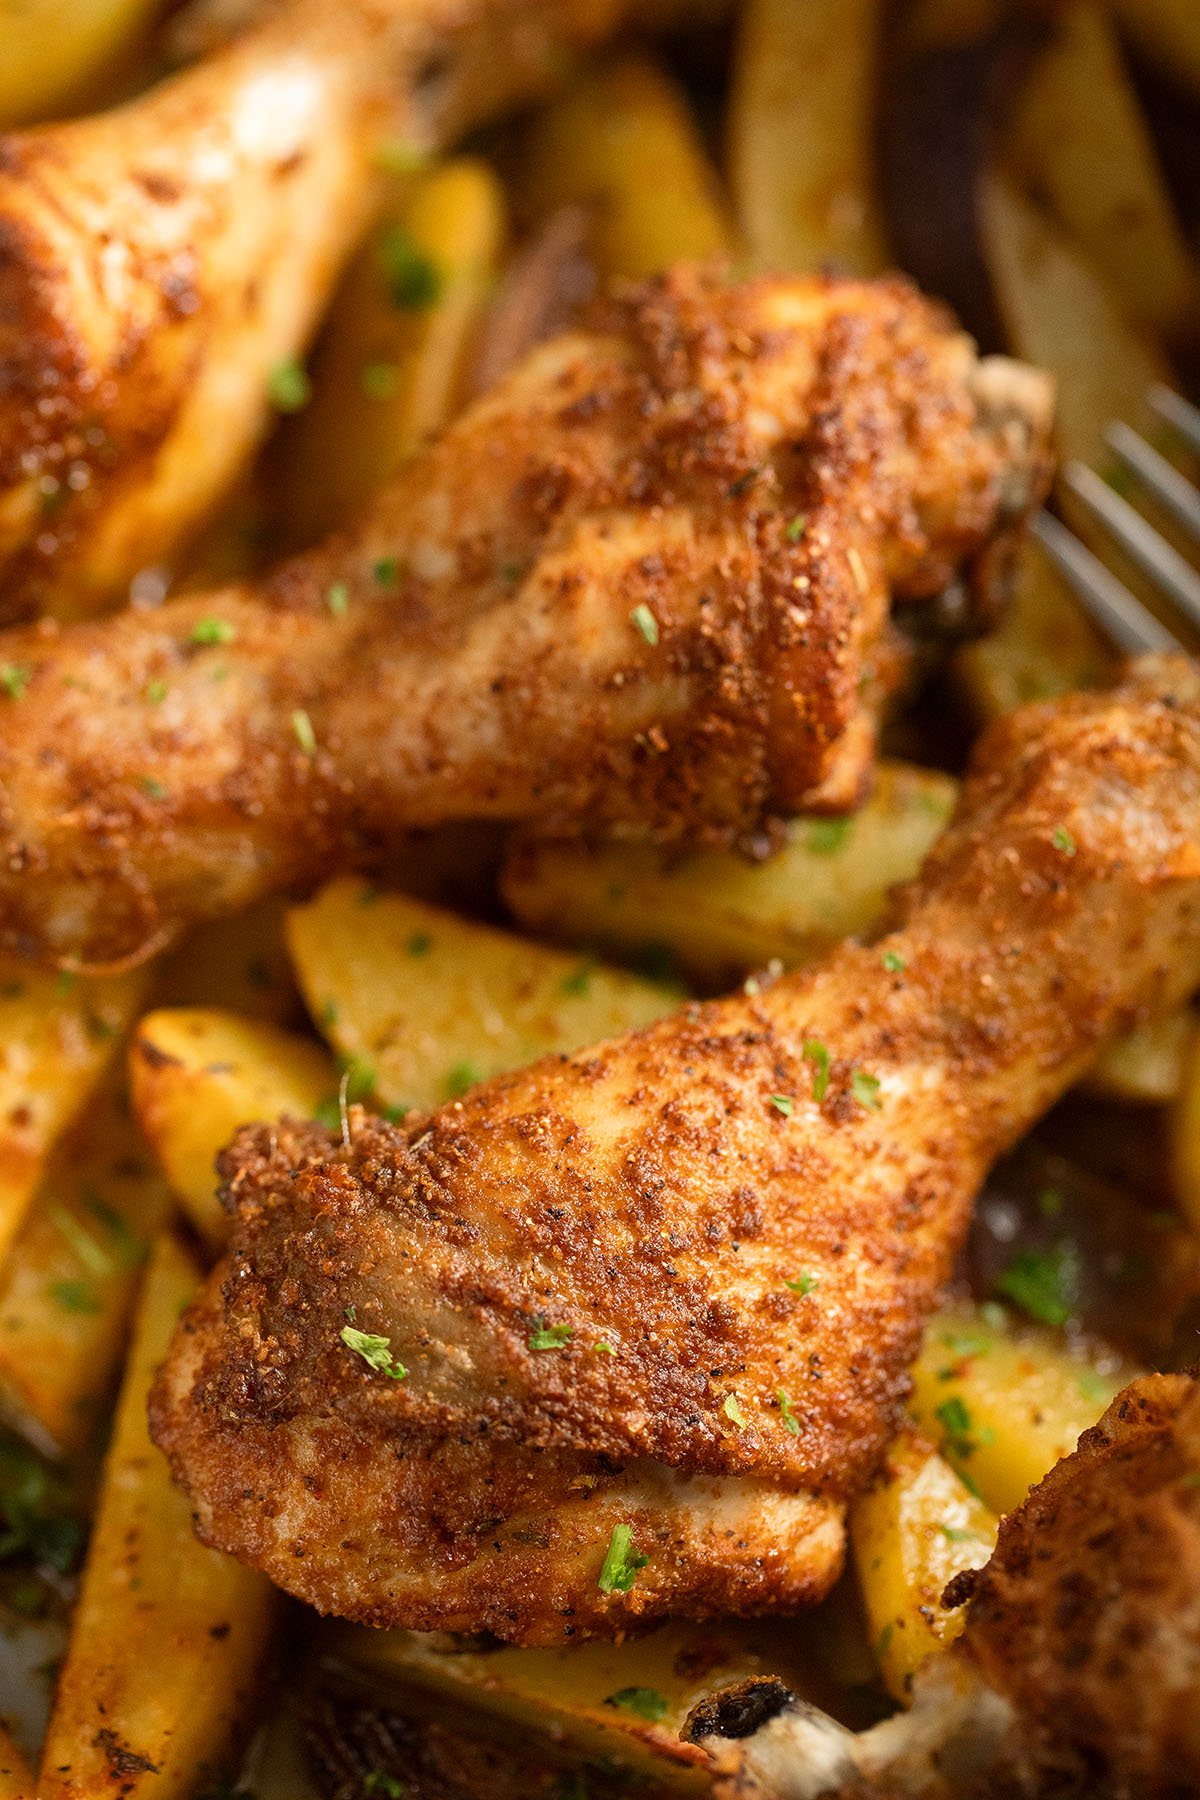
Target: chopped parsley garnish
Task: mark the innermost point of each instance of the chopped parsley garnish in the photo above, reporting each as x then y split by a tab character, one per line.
15	678
783	1103
288	387
152	787
743	484
1044	1284
1094	1388
957	1534
212	631
386	572
883	1640
1062	840
92	1255
787	1416
380	380
74	1296
420	944
804	1283
462	1076
893	963
966	1343
579	981
826	836
156	692
338	599
395	157
550	1337
375	1351
814	1051
797	528
306	737
733	1411
647	1703
1050	1203
619	1570
603	1348
962	1437
378	1781
865	1089
645	622
413	279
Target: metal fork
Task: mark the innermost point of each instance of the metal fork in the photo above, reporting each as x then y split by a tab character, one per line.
1122	617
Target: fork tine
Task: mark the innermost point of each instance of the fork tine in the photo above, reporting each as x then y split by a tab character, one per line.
1163	564
1176	411
1121	617
1177	494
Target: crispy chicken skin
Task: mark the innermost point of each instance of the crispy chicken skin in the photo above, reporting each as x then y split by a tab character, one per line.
735	1221
158	261
1078	1672
588	601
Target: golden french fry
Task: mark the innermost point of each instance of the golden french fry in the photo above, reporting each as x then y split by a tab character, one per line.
1080	137
58	1034
1169	33
802	134
622	143
52	49
422	1004
910	1533
70	1280
197	1073
391	362
1004	1404
167	1636
718	915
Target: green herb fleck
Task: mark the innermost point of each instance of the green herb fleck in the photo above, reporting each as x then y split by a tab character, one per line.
645	622
743	484
1050	1203
74	1296
378	1781
380	380
550	1337
288	387
1062	840
603	1348
804	1283
826	836
882	1641
579	981
865	1089
375	1351
893	962
783	1103
619	1570
420	944
1094	1388
1043	1284
797	528
395	157
733	1411
152	787
462	1076
15	678
212	631
386	572
814	1051
413	279
156	692
306	737
647	1703
338	599
962	1437
956	1534
91	1254
787	1415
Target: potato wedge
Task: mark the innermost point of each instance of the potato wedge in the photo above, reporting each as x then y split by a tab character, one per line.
1168	31
54	48
1079	137
58	1034
392	359
1004	1404
422	1004
1148	1065
802	134
910	1533
718	915
71	1278
622	143
167	1638
196	1074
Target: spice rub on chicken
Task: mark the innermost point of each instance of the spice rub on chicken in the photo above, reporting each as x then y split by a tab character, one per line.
644	582
616	1336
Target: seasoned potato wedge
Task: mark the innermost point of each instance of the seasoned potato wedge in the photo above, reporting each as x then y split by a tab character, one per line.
391	362
167	1637
1080	138
910	1533
52	50
1042	646
196	1074
58	1033
1004	1404
622	143
1148	1065
802	134
720	915
71	1278
422	1004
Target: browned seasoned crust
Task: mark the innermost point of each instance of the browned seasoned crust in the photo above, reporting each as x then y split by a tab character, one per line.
645	583
708	1227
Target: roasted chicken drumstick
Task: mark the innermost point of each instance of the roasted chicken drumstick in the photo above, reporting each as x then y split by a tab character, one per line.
616	1336
157	262
645	582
